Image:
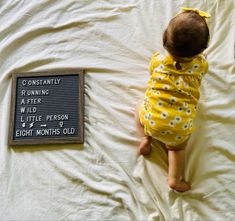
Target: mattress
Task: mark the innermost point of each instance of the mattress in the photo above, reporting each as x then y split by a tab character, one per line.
105	178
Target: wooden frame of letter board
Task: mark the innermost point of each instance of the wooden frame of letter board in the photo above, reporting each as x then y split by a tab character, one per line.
62	140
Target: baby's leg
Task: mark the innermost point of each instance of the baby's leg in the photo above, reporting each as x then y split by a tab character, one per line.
145	142
145	145
176	157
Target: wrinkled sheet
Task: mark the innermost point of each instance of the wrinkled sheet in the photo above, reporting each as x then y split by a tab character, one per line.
104	179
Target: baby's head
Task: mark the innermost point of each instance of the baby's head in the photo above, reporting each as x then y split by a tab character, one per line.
186	35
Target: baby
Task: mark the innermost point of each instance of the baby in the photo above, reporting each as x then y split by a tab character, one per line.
170	103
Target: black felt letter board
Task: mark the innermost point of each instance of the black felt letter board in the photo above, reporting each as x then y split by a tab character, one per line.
47	108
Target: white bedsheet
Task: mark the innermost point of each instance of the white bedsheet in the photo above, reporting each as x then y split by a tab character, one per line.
104	179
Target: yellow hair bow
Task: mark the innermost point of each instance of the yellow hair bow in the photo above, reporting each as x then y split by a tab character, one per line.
201	13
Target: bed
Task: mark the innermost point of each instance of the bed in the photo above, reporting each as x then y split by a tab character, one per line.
104	178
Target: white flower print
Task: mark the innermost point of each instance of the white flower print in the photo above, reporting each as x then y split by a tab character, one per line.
178	119
148	116
190	71
152	123
173	100
160	57
160	103
185	126
168	132
178	137
166	87
190	123
147	105
188	111
177	83
160	78
180	109
164	115
156	70
159	68
172	123
146	99
163	132
178	91
185	104
154	81
190	93
157	92
196	66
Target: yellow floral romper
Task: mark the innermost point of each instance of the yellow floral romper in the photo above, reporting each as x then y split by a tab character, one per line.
170	102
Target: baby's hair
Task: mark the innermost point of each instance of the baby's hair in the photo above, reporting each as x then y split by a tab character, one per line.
186	35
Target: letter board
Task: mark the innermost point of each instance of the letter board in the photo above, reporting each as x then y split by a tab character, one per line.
47	108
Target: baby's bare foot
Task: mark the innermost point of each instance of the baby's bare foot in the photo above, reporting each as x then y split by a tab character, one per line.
180	186
145	146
